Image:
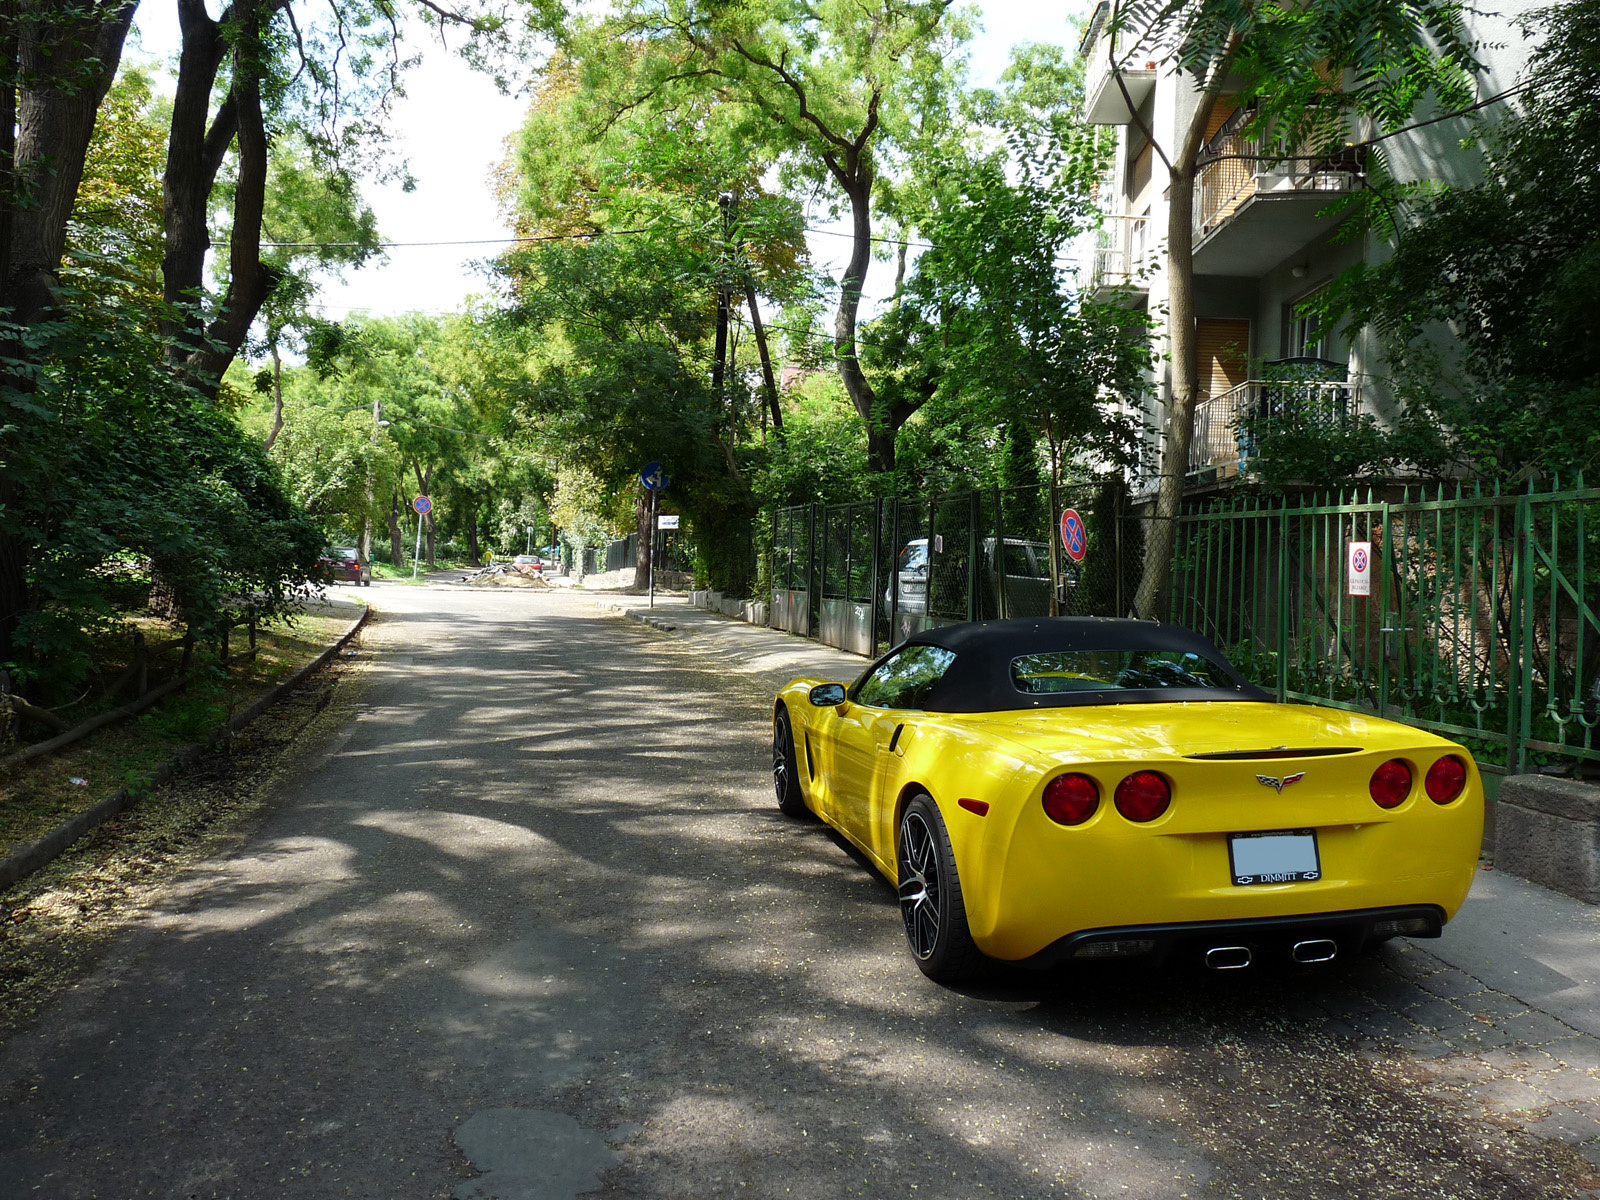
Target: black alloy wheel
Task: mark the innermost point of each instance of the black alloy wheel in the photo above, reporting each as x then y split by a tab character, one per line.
931	905
785	770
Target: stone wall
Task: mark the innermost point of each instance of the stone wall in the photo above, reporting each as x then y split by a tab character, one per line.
1547	830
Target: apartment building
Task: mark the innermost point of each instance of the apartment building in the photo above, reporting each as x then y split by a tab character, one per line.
1265	239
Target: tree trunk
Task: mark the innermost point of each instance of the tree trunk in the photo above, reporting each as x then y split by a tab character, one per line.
194	155
277	417
1150	602
250	281
472	543
397	536
880	437
56	73
641	558
767	377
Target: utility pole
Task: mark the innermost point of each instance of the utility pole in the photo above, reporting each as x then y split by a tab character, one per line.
366	516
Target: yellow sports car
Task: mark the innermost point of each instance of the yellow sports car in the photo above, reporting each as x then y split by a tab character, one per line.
1079	788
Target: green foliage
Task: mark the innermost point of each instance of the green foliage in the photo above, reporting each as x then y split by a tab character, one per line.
990	332
117	466
1489	309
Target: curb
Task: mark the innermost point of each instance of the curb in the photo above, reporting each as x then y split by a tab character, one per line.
643	615
19	864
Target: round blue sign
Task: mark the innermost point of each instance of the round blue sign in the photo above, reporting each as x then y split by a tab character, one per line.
1074	537
653	477
423	505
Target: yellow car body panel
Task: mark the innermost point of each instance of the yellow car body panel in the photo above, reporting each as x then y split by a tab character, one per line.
1029	882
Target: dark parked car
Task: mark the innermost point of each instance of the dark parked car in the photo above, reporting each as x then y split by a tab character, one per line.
343	564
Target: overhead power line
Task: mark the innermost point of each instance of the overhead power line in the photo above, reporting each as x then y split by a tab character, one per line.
543	237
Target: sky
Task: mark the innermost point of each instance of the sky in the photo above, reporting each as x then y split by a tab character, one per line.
451	129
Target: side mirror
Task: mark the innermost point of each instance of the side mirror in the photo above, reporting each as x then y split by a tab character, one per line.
826	695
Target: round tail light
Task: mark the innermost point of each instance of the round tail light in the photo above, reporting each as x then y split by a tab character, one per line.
1391	784
1445	779
1143	796
1071	799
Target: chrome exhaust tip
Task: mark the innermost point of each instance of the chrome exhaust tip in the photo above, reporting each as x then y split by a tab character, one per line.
1228	958
1315	950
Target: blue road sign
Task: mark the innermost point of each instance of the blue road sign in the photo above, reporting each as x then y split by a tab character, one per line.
423	505
653	477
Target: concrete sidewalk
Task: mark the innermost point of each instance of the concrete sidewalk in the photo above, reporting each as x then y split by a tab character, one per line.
1536	946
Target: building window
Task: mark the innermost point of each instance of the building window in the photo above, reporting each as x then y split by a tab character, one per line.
1304	334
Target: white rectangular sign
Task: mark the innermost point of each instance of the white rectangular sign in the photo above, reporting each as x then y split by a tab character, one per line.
1361	568
667	521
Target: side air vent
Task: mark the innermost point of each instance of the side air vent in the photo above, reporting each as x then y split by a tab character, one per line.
1278	752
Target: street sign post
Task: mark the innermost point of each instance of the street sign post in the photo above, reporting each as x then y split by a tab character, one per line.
424	506
654	479
667	521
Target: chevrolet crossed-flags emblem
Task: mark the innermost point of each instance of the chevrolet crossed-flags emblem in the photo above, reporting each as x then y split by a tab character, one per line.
1277	784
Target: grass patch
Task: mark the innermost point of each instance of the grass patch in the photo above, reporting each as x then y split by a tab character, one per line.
39	795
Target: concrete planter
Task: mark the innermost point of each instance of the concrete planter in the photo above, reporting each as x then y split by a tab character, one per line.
1548	831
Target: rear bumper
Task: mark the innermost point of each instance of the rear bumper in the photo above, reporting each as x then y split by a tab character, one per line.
1265	937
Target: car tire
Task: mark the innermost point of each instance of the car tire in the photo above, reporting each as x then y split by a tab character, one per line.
785	768
931	904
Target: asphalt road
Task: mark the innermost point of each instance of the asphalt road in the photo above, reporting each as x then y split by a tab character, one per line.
530	927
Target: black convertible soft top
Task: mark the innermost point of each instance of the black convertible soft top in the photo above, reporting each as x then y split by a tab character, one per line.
979	680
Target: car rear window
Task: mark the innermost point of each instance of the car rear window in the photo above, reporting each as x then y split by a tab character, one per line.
1117	670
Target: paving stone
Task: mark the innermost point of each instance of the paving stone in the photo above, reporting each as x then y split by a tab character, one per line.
1496	1005
1591	1151
1451	984
1475	1037
1536	1028
1386	1026
1423	1044
1515	1060
1581	1052
1567	1085
1508	1095
1568	1124
1436	1014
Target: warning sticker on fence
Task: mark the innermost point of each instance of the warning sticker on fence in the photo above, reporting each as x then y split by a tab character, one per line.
1361	568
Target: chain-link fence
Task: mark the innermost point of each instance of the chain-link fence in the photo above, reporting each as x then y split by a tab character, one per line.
868	574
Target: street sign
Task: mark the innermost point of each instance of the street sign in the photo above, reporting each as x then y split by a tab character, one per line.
423	505
653	477
1073	535
667	521
1361	568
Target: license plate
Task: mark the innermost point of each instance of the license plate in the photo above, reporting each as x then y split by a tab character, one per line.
1281	856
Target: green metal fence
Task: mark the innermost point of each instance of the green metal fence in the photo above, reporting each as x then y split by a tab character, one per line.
867	574
1480	623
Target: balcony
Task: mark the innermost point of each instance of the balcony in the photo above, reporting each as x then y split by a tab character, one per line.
1253	210
1228	427
1104	102
1122	262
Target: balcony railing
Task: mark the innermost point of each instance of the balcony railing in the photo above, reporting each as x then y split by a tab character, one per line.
1243	169
1123	255
1227	428
1106	102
